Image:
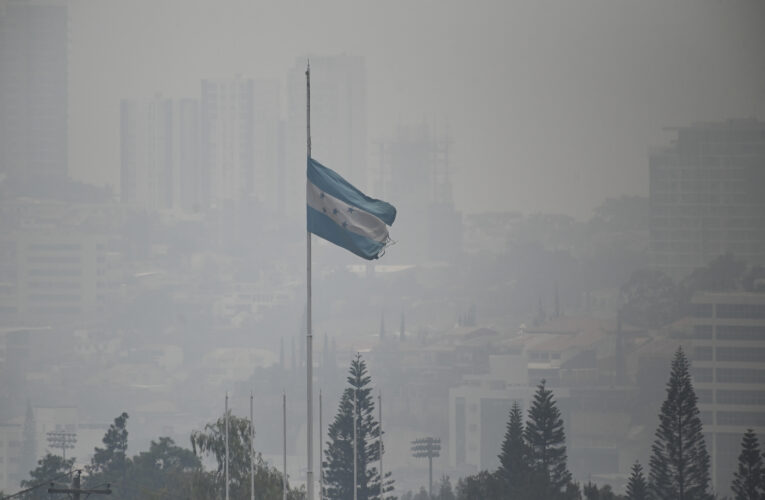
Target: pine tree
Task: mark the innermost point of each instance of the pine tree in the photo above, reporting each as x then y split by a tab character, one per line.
546	441
110	463
749	479
445	490
637	488
513	468
338	455
679	459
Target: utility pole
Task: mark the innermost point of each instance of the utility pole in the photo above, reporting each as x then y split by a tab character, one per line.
428	447
76	491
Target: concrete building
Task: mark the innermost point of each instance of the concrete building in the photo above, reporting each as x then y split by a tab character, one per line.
338	123
268	144
160	164
187	173
227	132
33	78
728	338
708	196
413	174
56	274
146	153
10	456
479	408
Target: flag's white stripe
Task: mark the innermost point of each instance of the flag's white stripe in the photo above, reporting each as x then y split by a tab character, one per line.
356	220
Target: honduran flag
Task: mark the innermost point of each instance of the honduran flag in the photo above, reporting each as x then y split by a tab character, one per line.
343	215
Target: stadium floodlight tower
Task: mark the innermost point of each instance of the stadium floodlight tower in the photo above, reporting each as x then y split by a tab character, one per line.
430	448
61	440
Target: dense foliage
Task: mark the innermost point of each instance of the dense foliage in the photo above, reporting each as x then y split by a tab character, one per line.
338	455
679	459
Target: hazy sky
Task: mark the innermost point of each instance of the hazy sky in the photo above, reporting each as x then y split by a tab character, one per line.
552	105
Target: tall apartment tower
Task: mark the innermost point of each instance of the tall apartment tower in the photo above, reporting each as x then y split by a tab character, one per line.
708	196
187	173
227	132
146	159
160	165
267	146
338	123
413	174
33	87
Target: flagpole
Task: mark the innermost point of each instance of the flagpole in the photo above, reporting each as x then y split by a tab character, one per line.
382	476
225	416
355	449
321	451
252	453
284	445
309	336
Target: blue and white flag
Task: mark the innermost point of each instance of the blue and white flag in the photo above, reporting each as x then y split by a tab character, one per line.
343	215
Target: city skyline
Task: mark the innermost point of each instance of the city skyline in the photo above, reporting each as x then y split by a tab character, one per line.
500	79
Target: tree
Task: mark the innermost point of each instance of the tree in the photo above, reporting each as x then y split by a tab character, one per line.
592	492
651	299
749	478
50	468
212	441
546	440
338	455
513	469
679	459
109	464
481	486
724	273
165	470
637	488
445	491
422	494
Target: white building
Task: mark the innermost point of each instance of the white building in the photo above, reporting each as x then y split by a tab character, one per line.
479	409
728	332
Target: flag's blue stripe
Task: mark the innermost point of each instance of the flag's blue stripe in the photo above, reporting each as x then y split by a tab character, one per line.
331	182
321	225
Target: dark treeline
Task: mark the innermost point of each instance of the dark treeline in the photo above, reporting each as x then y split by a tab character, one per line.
533	457
533	460
166	470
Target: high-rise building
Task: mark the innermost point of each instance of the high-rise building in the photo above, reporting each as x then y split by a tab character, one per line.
187	173
227	133
728	337
146	153
160	165
268	157
708	196
338	123
33	88
413	174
